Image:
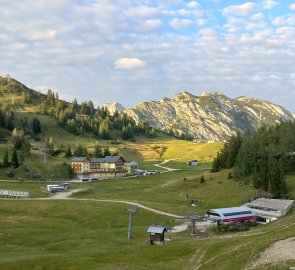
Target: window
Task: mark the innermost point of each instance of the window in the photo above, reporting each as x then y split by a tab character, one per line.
237	213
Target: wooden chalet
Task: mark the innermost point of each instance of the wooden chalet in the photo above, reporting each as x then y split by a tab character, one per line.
157	234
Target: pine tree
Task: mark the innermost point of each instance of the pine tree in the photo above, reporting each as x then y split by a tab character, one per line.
26	146
17	137
5	159
68	151
79	151
202	179
36	125
50	145
14	159
97	152
216	163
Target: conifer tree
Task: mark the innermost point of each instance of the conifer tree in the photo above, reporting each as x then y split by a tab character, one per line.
17	137
5	159
68	151
97	152
14	159
79	151
36	125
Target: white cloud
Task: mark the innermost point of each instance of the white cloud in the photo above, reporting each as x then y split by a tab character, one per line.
269	4
129	63
41	35
292	7
257	17
193	4
184	12
142	11
208	35
18	46
81	40
180	23
284	20
153	23
239	10
201	22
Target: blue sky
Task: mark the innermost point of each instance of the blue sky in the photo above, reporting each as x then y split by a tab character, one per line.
132	51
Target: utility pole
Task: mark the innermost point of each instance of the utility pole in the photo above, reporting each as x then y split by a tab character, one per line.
131	212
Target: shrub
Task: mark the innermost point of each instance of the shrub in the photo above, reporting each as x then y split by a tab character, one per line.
10	173
202	179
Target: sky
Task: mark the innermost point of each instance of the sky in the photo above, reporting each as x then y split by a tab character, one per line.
131	51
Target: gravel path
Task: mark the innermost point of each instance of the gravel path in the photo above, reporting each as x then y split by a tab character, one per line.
66	196
277	254
167	168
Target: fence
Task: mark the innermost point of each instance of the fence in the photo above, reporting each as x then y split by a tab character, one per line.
13	194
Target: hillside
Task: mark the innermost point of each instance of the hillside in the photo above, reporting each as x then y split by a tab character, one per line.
68	125
14	91
146	151
211	116
76	118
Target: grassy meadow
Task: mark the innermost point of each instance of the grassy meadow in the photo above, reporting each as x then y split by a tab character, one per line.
166	191
69	234
72	234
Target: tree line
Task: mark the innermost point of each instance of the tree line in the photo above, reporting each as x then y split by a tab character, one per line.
21	130
84	117
264	157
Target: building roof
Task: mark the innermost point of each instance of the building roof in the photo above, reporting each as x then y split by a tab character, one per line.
276	204
106	159
156	229
80	159
133	162
97	160
233	212
112	159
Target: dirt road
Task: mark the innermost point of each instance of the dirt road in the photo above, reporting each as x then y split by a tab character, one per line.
66	196
167	168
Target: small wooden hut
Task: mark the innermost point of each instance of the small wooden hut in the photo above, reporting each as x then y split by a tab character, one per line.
157	234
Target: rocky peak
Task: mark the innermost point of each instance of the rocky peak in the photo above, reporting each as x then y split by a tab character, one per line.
112	107
211	116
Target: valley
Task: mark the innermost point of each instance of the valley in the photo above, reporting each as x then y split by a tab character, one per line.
92	230
88	230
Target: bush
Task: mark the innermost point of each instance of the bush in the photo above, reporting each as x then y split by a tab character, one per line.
202	179
115	142
10	173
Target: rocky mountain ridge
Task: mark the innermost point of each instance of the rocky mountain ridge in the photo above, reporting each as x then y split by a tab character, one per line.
113	107
211	116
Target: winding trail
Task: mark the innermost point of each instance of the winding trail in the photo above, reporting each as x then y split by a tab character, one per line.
66	196
167	168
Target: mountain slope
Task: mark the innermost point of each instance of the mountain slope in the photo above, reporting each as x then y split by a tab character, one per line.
211	116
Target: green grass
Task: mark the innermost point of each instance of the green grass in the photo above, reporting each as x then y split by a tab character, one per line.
35	189
73	235
166	191
70	234
290	179
92	235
